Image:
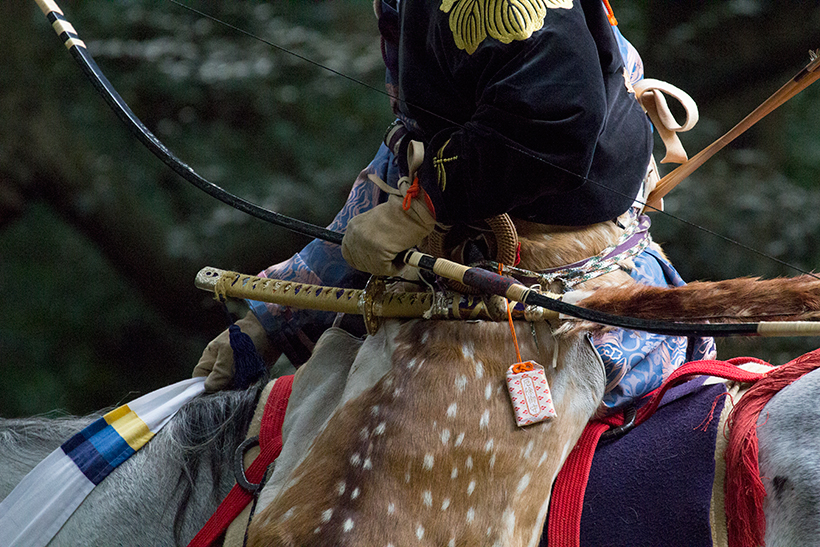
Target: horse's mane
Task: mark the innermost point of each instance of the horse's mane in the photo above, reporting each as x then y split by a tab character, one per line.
202	437
26	441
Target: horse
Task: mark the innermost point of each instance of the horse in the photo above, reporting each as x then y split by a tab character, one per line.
415	443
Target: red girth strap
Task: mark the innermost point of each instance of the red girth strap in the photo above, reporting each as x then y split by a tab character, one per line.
564	527
270	445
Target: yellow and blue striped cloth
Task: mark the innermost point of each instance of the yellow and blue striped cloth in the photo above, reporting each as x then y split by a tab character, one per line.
33	513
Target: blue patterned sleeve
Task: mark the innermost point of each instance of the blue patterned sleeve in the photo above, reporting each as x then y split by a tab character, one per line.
294	331
638	362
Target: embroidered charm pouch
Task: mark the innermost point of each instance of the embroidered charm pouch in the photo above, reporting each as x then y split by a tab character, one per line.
529	393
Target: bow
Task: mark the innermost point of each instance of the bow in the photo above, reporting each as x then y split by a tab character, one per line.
484	280
76	47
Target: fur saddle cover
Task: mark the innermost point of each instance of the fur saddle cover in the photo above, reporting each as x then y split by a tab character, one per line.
659	481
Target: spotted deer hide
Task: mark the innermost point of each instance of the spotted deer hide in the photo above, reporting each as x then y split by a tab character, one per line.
430	454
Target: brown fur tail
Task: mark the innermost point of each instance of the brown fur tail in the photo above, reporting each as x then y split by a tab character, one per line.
730	301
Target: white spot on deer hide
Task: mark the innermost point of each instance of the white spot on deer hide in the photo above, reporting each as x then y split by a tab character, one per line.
489	445
445	436
470	514
471	488
459	439
488	391
326	515
469	462
523	483
484	423
454	473
479	369
348	525
355	493
445	504
461	382
492	461
420	532
340	488
391	508
428	461
527	452
355	460
380	429
368	464
427	498
452	409
468	352
508	520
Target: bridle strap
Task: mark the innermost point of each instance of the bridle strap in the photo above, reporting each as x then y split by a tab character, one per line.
270	444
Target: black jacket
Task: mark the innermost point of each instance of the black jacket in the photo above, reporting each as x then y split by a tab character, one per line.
539	124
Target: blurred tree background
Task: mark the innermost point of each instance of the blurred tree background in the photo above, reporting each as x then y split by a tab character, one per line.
100	242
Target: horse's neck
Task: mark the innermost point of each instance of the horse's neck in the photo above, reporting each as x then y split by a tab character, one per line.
431	454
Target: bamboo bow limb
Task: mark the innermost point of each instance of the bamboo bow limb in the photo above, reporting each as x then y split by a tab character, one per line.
801	81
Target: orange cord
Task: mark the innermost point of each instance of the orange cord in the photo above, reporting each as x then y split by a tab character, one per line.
610	14
512	327
412	192
518	368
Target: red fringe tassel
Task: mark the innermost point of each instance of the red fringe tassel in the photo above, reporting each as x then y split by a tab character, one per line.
743	489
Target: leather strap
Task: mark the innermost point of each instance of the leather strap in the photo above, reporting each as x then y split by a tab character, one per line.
650	93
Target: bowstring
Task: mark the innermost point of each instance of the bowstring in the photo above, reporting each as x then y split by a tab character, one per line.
520	150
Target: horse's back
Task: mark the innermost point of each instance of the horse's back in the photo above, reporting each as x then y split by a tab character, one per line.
789	455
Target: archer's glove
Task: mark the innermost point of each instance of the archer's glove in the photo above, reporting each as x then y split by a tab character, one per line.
217	359
375	238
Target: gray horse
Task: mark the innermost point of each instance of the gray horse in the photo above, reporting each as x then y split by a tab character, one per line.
166	492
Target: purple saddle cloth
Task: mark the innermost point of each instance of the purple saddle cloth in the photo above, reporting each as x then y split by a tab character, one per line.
653	486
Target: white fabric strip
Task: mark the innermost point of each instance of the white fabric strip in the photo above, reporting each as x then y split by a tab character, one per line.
33	513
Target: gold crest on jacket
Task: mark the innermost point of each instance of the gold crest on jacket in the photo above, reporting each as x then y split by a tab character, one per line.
471	21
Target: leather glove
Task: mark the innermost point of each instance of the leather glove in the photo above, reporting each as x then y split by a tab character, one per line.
217	359
374	238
